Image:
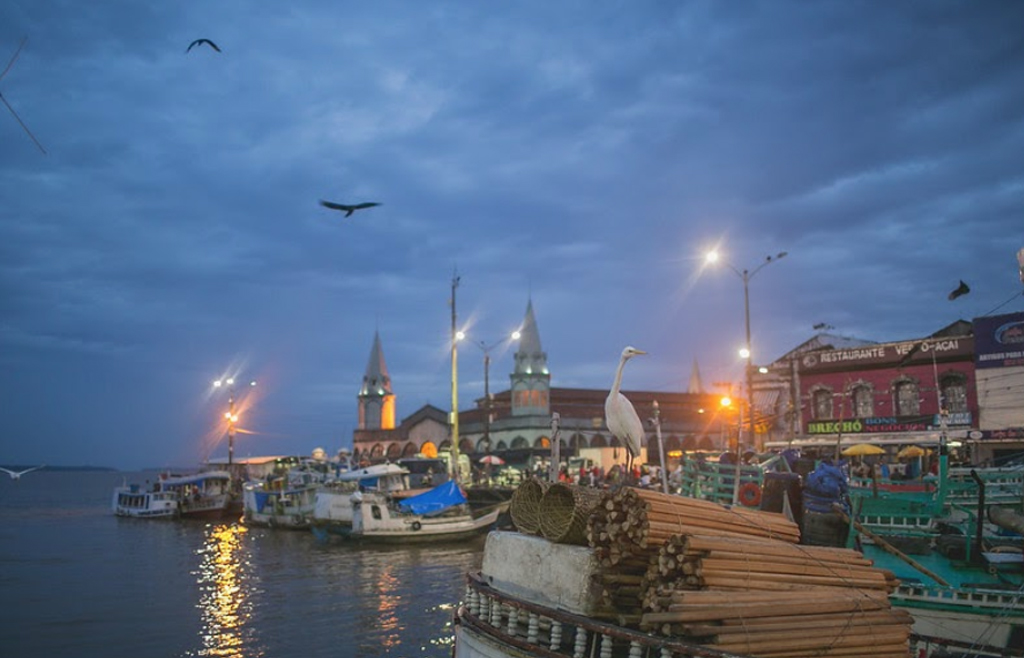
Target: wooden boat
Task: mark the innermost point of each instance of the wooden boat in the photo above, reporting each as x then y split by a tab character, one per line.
438	514
283	500
333	508
663	575
197	495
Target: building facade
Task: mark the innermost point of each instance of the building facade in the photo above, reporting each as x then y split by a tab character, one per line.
520	417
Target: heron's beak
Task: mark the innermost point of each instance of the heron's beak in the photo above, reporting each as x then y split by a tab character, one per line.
641	352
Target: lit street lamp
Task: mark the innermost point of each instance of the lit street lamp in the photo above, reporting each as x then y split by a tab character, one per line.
746	276
230	414
487	379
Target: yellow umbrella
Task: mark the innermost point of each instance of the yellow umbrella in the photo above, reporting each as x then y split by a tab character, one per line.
861	449
913	451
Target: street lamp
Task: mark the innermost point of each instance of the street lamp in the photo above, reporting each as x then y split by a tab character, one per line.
230	414
746	276
487	380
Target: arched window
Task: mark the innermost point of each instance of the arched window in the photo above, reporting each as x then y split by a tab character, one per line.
953	388
501	446
863	401
908	398
598	441
821	401
377	451
520	442
410	450
394	451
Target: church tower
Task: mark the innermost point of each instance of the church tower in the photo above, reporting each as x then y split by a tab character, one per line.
531	382
376	401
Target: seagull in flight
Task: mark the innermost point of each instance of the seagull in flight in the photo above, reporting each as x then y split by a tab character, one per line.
200	41
348	209
16	475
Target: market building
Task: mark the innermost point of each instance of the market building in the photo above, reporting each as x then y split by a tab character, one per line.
520	417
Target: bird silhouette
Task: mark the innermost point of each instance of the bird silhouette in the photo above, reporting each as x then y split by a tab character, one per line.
962	289
16	475
4	100
199	41
620	416
348	209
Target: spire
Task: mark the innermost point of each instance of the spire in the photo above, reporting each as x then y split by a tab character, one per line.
376	380
696	385
530	357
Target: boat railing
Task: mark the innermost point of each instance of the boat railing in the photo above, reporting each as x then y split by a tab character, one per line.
716	481
542	631
997	601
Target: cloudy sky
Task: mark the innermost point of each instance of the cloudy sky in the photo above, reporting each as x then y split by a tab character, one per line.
584	155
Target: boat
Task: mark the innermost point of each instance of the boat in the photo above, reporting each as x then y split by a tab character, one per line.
202	495
284	500
959	571
614	591
438	514
960	562
333	508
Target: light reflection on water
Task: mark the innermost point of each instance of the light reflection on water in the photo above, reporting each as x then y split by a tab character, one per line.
223	599
88	583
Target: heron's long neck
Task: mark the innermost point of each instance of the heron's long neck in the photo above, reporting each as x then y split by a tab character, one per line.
618	375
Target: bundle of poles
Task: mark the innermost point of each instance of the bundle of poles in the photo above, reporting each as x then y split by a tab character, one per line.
737	580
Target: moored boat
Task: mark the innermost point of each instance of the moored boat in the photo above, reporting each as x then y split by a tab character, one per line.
436	515
132	500
661	575
196	495
333	508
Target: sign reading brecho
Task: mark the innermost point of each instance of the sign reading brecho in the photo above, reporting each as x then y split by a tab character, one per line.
999	341
880	424
914	351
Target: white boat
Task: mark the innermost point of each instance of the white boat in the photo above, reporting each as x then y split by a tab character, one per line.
333	507
438	514
196	495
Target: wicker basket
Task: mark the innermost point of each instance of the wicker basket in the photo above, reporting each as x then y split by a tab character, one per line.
525	505
564	511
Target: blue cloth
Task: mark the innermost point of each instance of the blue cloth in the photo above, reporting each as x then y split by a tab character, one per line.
437	499
825	485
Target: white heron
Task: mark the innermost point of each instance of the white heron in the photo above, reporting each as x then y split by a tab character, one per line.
620	416
16	475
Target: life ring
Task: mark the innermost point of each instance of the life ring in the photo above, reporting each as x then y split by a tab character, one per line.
750	494
416	525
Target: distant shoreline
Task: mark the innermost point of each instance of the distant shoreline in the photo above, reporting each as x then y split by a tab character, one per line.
18	467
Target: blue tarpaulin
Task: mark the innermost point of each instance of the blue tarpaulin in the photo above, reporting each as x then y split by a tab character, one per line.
437	499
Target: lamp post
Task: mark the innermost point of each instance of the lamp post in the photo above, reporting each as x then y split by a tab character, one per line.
746	276
455	387
230	414
487	382
486	349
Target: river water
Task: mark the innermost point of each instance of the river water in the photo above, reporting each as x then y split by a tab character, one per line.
77	581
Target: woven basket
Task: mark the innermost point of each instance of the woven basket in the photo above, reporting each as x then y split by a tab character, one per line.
525	505
564	511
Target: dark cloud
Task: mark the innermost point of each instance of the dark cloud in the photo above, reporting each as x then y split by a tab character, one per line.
583	155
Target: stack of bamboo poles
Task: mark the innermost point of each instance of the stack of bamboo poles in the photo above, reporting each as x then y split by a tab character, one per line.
816	621
774	599
631	521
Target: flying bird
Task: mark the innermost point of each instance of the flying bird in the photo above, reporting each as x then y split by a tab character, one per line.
620	416
348	209
200	41
16	475
962	289
18	118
